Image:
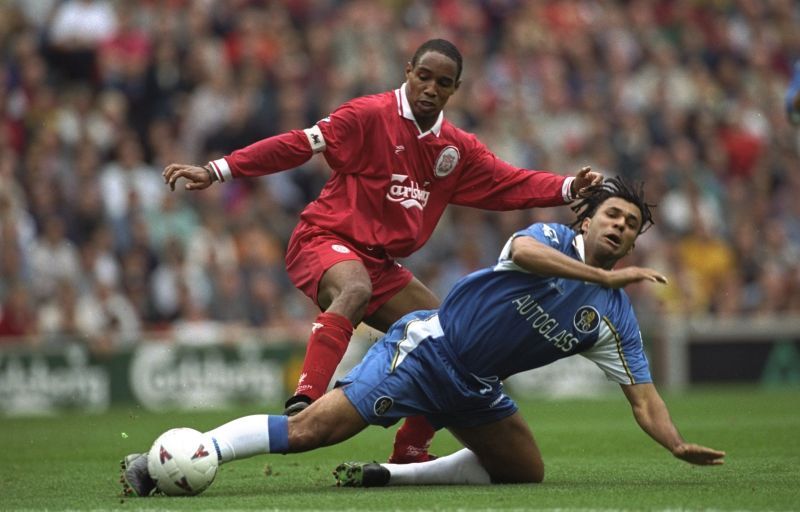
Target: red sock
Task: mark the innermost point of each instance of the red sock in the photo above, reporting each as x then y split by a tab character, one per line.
330	335
412	441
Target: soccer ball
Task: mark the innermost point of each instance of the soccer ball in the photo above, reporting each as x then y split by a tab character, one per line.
183	462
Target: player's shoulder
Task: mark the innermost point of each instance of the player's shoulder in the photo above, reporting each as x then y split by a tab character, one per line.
372	103
558	236
554	231
462	139
364	111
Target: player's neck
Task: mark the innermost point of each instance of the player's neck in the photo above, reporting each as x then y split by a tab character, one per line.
426	123
591	260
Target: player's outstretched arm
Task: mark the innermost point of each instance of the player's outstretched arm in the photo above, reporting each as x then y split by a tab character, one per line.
619	278
543	260
197	177
700	455
653	417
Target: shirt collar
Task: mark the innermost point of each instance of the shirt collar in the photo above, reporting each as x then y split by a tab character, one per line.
577	243
404	109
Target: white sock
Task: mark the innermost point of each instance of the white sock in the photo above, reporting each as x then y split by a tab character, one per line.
251	435
461	467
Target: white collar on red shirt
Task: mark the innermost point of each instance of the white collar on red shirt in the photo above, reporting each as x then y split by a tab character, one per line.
404	109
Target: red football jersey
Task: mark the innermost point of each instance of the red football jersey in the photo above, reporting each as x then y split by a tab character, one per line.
391	182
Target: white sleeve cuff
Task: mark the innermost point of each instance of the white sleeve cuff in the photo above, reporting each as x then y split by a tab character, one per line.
566	189
221	169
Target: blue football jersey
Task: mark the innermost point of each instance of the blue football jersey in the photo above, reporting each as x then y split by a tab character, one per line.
503	320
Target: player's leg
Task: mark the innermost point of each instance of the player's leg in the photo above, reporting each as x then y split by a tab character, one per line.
499	452
329	420
334	276
414	296
459	468
506	449
414	437
345	290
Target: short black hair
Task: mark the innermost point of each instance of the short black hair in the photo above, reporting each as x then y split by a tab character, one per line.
442	46
614	187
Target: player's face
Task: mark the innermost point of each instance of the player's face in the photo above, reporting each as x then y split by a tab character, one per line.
611	232
430	84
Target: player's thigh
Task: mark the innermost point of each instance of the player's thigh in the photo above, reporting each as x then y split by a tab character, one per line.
324	267
506	449
415	296
347	282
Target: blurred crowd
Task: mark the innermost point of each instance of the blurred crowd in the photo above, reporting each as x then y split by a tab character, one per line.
97	96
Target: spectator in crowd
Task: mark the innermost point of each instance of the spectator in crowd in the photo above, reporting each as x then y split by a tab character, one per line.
17	315
53	258
57	316
128	184
105	318
75	34
793	96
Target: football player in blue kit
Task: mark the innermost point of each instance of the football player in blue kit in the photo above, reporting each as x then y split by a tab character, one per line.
553	293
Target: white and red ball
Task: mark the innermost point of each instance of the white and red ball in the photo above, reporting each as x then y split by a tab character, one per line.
183	462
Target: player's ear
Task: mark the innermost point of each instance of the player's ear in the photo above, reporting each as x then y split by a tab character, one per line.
585	224
630	250
458	84
409	68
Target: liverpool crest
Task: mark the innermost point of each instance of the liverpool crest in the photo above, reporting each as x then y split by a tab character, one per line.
446	161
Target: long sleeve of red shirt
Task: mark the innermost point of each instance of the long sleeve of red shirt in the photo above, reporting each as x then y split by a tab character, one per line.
267	156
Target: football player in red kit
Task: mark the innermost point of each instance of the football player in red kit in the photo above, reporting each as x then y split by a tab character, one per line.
396	164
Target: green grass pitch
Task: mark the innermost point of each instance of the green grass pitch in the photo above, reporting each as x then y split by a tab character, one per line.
596	459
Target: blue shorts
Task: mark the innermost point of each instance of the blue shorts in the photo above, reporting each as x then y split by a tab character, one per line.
410	372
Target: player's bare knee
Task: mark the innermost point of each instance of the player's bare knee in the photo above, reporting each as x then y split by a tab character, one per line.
359	290
356	294
304	435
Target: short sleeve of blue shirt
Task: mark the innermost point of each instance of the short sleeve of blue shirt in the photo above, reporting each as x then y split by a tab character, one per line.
557	236
619	350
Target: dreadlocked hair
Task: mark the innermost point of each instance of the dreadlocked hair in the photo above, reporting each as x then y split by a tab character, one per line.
613	187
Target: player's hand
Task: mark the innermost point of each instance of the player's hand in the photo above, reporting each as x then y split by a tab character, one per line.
627	275
197	177
585	178
700	455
